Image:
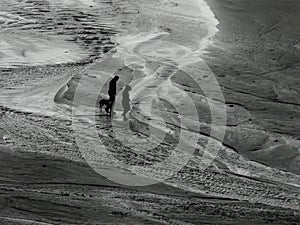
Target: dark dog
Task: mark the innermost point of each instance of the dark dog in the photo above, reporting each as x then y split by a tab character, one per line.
104	102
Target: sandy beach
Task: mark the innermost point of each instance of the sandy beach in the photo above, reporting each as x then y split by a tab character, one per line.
213	134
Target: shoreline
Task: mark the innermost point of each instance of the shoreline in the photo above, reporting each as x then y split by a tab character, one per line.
213	30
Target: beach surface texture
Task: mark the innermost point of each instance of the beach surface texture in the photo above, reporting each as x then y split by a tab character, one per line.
213	132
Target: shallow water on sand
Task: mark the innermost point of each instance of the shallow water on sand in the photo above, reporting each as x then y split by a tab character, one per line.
53	42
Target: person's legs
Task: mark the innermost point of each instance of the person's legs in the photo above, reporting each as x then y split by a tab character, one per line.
126	107
111	102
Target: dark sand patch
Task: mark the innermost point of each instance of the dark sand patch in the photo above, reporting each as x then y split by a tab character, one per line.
256	60
52	190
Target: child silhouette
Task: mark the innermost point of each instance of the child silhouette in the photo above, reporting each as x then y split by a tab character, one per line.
126	102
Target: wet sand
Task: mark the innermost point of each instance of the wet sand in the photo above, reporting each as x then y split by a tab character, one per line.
255	58
47	178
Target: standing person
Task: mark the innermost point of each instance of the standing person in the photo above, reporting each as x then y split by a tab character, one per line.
112	91
126	102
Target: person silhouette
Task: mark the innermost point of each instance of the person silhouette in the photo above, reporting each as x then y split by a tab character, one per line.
112	91
126	101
